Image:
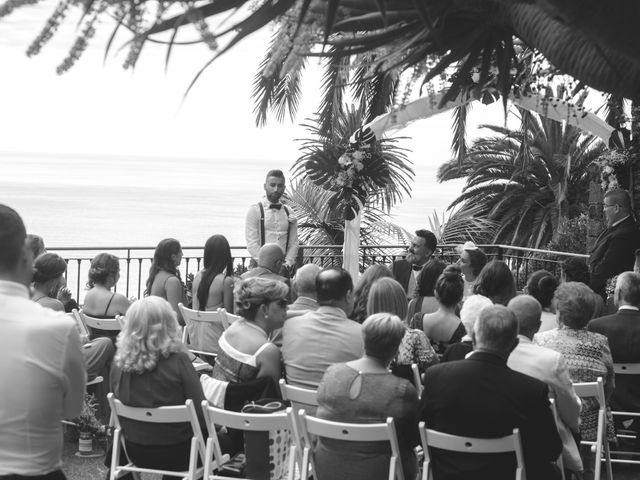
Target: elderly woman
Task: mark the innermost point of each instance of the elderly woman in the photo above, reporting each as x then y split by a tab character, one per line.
101	301
444	326
388	296
541	286
587	353
469	314
496	283
164	277
472	260
245	350
363	391
152	369
213	285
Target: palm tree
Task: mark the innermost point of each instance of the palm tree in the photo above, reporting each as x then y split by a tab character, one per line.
323	205
526	179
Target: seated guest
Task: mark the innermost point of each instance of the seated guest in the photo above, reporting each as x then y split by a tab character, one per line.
575	269
245	350
496	282
426	302
587	353
541	286
314	341
152	369
164	277
100	301
363	391
271	258
213	285
303	286
549	367
481	397
48	276
622	330
36	245
388	296
444	327
469	314
361	293
472	261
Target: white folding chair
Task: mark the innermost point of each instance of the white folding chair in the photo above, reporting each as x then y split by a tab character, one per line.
172	414
109	324
239	421
626	369
305	427
416	379
456	443
82	328
121	319
554	411
601	444
298	395
206	341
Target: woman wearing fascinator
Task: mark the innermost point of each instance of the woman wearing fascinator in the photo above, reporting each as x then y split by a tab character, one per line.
471	261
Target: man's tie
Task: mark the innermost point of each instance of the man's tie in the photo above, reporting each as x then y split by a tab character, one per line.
275	206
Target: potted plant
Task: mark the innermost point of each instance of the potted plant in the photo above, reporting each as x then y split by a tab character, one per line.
88	426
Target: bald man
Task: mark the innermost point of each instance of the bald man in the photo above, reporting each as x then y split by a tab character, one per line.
550	367
270	261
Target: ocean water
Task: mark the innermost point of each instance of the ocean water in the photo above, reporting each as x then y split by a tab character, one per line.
116	201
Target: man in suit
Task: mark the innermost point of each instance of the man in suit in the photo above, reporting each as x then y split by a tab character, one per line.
550	367
623	331
407	271
614	250
314	341
481	397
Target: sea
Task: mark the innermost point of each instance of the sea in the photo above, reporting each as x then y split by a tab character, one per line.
134	201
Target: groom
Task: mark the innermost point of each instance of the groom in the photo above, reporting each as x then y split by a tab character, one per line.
407	272
269	221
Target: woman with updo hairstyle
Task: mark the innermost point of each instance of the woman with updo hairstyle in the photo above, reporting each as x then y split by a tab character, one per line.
587	353
471	262
361	292
100	301
388	296
245	350
48	280
364	391
164	277
496	283
152	369
213	285
541	286
444	326
425	301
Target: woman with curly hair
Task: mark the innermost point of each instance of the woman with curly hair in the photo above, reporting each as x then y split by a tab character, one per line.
164	277
245	350
152	369
100	301
361	292
213	285
48	280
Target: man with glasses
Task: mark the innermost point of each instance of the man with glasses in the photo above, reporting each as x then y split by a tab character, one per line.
614	249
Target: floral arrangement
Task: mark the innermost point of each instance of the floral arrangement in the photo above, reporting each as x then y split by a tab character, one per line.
608	162
87	421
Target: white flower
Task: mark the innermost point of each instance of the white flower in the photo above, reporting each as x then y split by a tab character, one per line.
345	160
358	165
357	155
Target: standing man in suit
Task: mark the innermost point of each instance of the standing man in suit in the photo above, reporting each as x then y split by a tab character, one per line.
269	221
622	329
614	250
407	271
481	397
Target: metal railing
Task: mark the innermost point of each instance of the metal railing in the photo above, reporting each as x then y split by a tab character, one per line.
135	261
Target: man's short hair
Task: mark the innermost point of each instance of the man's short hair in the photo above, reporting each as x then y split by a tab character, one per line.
620	197
305	278
275	173
496	329
12	238
333	284
527	311
628	288
430	239
269	255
